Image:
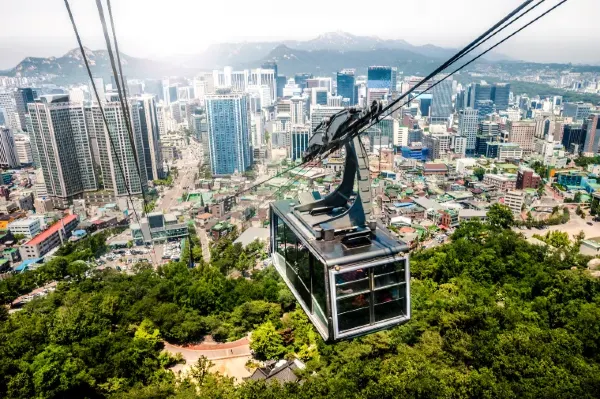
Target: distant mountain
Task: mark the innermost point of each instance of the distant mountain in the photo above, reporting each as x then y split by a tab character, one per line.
72	68
238	54
325	62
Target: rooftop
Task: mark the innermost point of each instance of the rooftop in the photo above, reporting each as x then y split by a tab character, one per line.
44	235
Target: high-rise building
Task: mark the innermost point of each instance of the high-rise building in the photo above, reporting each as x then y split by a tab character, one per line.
441	103
319	96
381	77
24	96
62	146
99	83
592	137
281	82
574	133
479	92
299	141
115	152
501	95
228	133
297	111
346	82
301	78
425	101
11	116
468	123
578	111
522	133
8	152
23	147
485	108
318	112
145	123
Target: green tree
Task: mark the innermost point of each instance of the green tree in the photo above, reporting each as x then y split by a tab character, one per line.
201	369
500	216
479	172
266	342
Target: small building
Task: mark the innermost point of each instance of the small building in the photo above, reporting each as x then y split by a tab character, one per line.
46	241
590	247
471	214
220	230
430	169
29	227
514	200
281	371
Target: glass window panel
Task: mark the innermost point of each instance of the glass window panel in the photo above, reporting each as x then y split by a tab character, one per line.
280	237
350	320
352	287
303	264
390	309
389	274
318	287
290	247
353	303
347	277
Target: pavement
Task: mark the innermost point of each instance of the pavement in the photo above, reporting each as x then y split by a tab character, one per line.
187	168
572	227
204	241
229	358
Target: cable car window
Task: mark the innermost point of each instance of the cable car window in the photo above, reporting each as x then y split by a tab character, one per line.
390	274
280	234
389	303
318	289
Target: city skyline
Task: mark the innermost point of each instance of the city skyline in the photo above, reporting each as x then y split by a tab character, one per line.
149	32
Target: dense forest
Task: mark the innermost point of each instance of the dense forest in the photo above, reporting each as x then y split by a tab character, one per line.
493	317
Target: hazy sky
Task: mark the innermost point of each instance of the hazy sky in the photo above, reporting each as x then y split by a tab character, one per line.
159	28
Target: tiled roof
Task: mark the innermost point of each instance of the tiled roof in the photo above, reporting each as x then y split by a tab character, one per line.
51	230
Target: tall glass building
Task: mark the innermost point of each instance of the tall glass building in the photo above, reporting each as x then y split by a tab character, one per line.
228	133
299	141
382	77
441	103
468	125
145	123
345	85
61	144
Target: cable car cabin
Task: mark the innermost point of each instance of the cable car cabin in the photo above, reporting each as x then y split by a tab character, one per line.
350	276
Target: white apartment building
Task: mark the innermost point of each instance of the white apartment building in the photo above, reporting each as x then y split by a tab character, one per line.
514	199
29	227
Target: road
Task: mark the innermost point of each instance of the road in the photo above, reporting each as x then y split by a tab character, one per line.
204	241
572	227
187	167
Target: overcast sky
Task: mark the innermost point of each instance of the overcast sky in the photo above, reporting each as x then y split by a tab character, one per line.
159	28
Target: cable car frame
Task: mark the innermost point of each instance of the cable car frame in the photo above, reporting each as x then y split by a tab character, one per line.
349	274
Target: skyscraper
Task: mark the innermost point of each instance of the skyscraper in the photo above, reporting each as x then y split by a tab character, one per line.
592	137
468	126
441	103
8	152
501	95
61	143
23	96
522	133
228	133
297	110
574	134
122	153
381	77
301	78
319	96
578	111
345	85
299	142
145	123
318	112
7	103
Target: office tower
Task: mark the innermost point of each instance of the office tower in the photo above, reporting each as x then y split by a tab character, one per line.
501	95
297	110
264	77
425	101
381	77
377	95
485	108
61	143
119	150
522	133
318	96
346	82
578	111
335	101
468	121
441	103
318	112
460	145
145	123
7	103
301	78
23	96
574	133
382	133
281	82
437	144
461	100
135	88
489	129
8	152
479	92
270	65
299	141
23	148
592	137
400	134
3	117
257	127
228	133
